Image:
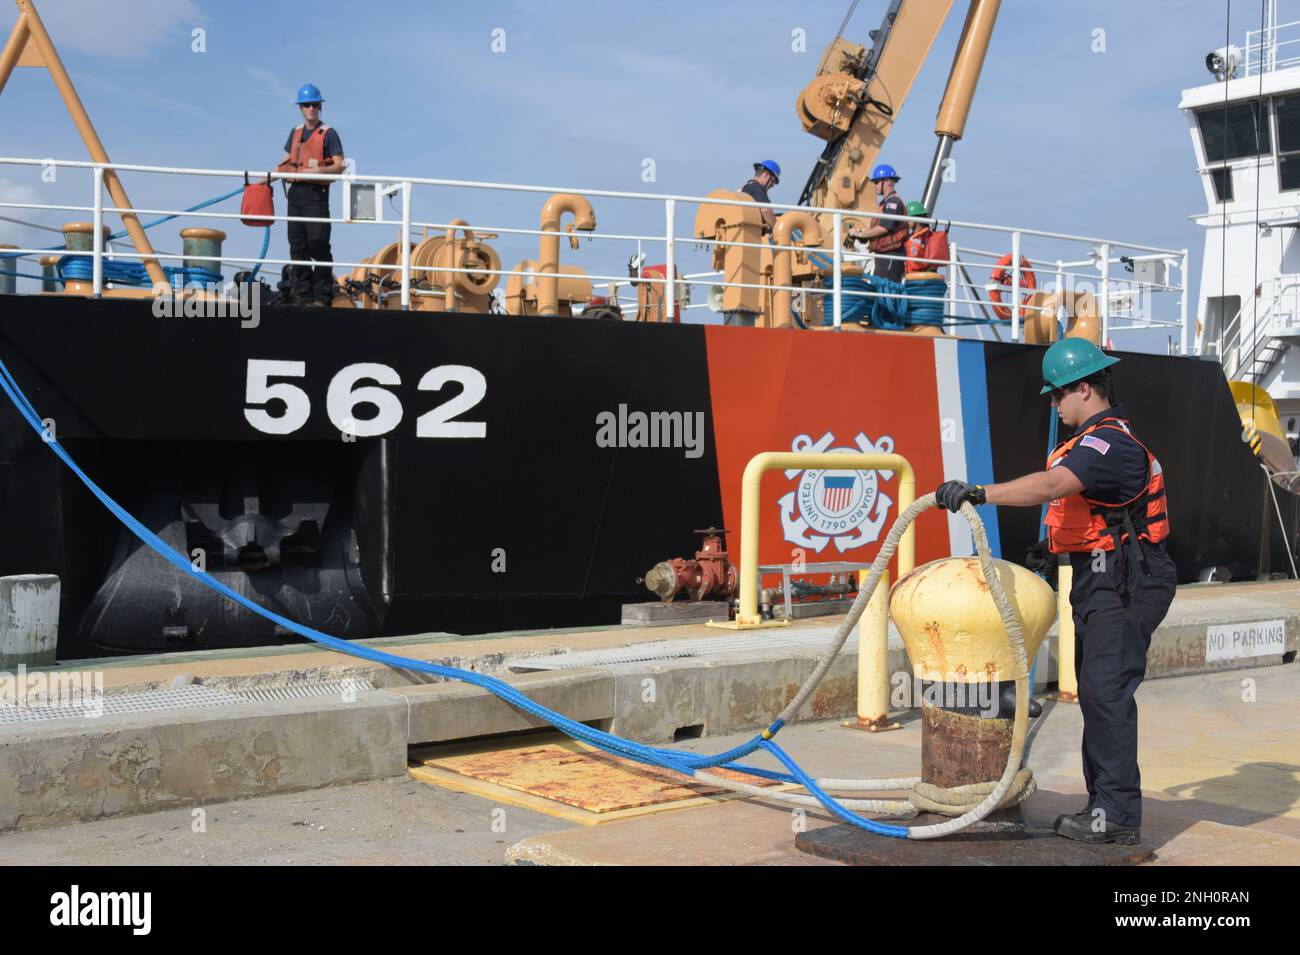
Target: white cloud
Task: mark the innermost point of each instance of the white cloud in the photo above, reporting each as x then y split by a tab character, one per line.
11	191
114	29
12	233
270	82
109	91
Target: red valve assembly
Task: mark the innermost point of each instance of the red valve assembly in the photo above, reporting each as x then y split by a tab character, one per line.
710	574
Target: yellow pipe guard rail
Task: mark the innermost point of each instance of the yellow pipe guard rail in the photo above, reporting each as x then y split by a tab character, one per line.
748	617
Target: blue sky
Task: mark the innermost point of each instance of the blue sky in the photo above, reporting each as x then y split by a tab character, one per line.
1060	137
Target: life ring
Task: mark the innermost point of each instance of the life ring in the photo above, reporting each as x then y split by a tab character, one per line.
1002	276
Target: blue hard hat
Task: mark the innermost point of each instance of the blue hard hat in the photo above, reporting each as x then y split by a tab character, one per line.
308	93
884	171
771	166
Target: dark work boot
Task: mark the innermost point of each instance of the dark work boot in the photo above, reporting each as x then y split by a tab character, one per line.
1084	813
1080	829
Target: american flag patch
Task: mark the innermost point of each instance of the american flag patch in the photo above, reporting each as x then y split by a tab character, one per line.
1094	442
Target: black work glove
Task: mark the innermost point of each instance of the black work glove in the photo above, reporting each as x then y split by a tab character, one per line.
1040	560
952	494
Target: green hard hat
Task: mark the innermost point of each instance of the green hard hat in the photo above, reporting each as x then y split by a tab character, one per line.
915	208
1071	360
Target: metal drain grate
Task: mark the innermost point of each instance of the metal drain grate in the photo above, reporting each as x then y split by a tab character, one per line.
304	691
677	649
90	706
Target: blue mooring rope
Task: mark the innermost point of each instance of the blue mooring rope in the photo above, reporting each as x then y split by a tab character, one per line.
76	268
80	268
676	760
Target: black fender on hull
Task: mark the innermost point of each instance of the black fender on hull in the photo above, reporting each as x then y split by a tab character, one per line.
283	526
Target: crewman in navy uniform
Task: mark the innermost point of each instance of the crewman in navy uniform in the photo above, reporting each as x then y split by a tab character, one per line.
887	236
766	175
1107	512
311	147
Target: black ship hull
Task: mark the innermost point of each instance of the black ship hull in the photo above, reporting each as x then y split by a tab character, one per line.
379	473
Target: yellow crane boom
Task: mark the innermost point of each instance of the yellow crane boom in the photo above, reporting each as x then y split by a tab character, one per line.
857	94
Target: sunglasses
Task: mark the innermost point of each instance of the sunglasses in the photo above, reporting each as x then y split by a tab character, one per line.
1058	394
310	105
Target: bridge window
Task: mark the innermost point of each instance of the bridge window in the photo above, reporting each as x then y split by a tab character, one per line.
1222	179
1234	132
1287	109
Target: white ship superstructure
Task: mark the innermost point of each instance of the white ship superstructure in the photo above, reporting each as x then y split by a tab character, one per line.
1245	129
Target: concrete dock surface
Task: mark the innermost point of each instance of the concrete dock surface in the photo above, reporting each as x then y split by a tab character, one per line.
1178	646
1220	758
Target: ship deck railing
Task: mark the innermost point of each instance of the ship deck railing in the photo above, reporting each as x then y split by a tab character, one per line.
1075	263
1249	344
1275	47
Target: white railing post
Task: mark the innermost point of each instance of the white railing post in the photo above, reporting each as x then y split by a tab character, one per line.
1105	294
837	298
1015	286
951	309
1182	304
405	248
670	285
1061	310
961	286
97	235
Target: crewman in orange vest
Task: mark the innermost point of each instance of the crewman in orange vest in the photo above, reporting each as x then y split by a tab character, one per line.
927	247
887	236
1107	512
312	148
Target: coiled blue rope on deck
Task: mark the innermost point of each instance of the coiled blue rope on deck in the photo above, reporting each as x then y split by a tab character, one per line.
79	268
853	308
887	308
134	273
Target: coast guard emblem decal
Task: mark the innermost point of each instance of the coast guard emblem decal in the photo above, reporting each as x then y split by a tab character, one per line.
847	507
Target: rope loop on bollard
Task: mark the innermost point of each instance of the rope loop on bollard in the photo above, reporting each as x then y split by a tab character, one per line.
969	803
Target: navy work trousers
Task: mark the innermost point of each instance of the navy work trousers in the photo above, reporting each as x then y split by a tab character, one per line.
1112	632
311	241
891	269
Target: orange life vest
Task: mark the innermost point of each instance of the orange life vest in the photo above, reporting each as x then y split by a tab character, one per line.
1077	523
306	156
893	239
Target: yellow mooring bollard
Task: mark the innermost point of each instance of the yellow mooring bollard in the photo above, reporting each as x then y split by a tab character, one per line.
1067	684
873	662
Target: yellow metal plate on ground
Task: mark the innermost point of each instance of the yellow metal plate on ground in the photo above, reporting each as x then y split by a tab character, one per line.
565	778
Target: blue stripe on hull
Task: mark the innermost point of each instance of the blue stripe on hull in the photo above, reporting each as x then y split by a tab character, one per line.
973	388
